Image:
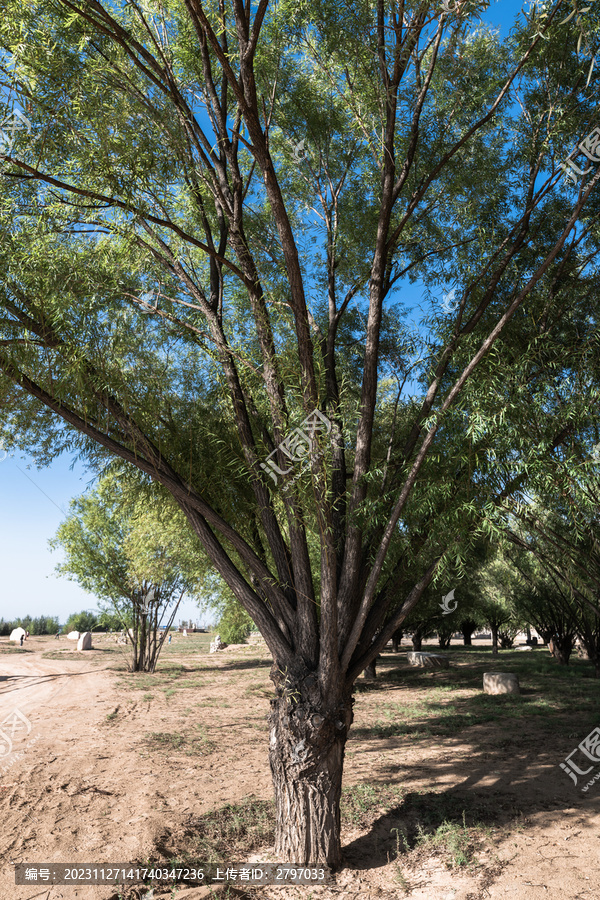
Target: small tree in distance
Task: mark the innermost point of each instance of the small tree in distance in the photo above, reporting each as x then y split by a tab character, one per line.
131	555
81	621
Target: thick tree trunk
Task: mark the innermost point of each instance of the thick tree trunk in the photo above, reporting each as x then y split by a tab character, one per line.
396	640
583	652
467	627
307	741
561	648
494	640
417	642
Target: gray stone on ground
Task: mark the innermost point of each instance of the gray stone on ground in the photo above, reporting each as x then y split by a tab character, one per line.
85	641
500	683
428	660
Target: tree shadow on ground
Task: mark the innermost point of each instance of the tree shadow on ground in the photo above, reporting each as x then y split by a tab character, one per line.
12	681
458	822
239	665
501	772
441	706
421	818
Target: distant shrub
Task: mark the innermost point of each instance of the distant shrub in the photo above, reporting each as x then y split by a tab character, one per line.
44	625
235	624
40	625
83	621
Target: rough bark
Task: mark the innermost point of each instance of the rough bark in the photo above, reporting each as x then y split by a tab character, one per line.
308	734
494	630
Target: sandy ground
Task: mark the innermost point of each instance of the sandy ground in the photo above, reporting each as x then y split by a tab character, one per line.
83	785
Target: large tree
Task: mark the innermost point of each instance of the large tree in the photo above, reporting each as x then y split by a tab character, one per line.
199	239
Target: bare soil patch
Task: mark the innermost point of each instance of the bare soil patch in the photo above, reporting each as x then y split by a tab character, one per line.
449	794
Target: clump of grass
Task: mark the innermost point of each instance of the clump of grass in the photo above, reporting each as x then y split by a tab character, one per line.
455	842
170	678
362	803
235	830
445	826
399	874
164	740
193	742
258	689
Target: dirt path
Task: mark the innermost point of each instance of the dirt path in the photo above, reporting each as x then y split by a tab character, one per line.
84	785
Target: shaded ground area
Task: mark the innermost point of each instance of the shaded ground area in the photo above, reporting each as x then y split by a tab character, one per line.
449	794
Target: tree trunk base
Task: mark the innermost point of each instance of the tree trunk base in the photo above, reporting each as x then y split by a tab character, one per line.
306	752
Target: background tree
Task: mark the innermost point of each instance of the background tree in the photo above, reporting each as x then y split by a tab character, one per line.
163	300
549	606
498	583
82	621
129	550
235	624
38	625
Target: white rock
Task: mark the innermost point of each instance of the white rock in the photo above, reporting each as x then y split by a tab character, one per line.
217	644
85	641
15	635
500	683
73	636
428	660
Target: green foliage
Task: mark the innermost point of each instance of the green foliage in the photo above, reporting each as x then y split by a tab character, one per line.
108	621
83	621
127	543
39	625
235	624
45	625
116	194
362	803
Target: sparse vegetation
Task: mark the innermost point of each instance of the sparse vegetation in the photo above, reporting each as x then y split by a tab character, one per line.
191	742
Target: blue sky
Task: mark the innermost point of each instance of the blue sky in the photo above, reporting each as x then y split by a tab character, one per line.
33	502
